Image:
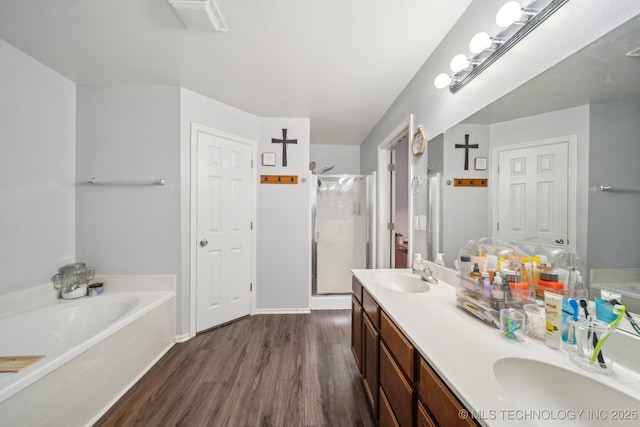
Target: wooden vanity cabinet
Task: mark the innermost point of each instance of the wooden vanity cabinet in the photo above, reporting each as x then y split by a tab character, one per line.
365	341
356	332
356	322
370	363
403	390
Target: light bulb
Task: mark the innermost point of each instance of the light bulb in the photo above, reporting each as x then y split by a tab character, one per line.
459	63
480	42
509	13
442	80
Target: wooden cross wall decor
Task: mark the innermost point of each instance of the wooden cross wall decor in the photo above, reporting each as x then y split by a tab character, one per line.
284	141
466	147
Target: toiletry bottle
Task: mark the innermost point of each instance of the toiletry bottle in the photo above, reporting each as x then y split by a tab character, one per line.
476	271
486	284
492	265
439	259
496	289
465	266
417	263
553	319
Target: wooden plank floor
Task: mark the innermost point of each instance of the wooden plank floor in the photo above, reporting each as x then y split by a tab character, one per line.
264	370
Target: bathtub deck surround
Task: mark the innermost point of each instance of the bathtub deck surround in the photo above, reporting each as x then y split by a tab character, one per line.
95	348
478	365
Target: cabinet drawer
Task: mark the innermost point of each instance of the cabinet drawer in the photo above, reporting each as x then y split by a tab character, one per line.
356	287
371	307
387	419
424	419
397	389
444	406
399	346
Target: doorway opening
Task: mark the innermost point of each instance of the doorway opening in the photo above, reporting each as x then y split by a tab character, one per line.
394	204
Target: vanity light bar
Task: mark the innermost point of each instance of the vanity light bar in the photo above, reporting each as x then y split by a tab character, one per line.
462	78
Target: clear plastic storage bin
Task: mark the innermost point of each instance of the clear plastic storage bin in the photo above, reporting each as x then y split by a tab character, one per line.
556	268
493	275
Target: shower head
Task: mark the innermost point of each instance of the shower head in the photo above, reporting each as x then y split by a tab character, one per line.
326	169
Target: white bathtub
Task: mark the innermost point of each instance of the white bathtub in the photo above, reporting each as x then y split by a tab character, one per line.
95	348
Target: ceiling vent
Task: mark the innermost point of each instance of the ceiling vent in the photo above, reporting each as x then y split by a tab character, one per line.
199	15
635	52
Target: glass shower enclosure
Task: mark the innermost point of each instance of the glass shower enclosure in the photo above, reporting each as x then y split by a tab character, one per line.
341	231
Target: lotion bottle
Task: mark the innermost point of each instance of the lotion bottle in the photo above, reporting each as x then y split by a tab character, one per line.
553	319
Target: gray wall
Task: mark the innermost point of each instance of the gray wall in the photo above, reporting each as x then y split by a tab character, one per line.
614	218
128	133
465	212
37	171
345	158
284	221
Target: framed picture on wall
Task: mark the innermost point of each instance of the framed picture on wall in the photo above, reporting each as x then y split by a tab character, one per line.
268	159
480	163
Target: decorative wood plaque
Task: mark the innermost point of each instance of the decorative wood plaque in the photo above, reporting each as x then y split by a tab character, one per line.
470	182
278	179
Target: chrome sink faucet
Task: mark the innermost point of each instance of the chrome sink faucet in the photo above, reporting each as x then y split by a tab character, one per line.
427	275
420	267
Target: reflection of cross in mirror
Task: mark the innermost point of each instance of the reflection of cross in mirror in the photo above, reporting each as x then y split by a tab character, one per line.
284	141
466	147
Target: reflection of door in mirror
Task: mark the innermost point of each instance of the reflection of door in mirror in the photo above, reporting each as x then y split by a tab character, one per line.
400	202
533	191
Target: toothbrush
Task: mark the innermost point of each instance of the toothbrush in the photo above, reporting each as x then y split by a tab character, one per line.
583	304
619	310
629	317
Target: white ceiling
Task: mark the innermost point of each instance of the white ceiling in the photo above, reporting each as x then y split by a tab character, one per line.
340	63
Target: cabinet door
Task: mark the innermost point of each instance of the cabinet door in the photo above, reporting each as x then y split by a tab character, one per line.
444	406
371	357
356	332
387	419
424	419
398	390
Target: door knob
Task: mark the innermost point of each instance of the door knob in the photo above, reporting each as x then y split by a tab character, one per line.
560	241
204	242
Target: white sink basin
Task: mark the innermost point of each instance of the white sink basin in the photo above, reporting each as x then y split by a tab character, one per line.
563	397
402	282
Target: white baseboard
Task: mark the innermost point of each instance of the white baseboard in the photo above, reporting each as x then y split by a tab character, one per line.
282	311
330	302
182	338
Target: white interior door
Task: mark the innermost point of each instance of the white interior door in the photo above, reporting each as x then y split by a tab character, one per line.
533	192
224	227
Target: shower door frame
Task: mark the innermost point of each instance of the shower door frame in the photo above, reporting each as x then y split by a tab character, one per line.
314	228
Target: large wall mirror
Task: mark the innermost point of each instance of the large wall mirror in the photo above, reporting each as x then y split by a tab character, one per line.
583	114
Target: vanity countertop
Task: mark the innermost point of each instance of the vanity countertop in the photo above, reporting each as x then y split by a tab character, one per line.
463	351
